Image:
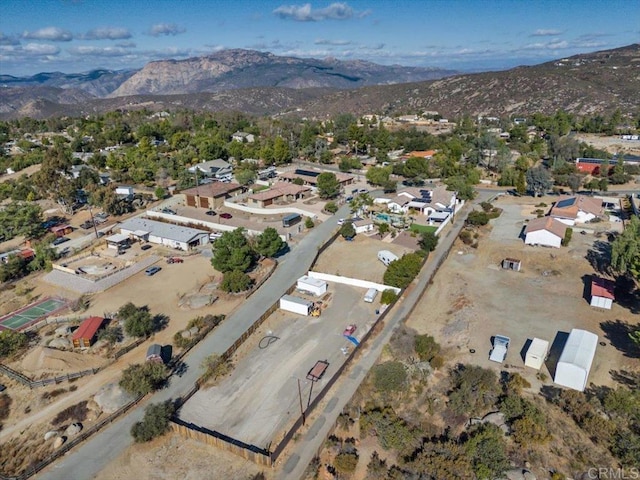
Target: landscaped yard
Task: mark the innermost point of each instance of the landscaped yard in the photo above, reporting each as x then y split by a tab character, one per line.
415	227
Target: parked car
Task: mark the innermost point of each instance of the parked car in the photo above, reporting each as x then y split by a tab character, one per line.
349	330
86	225
340	221
60	240
226	216
152	270
210	213
174	260
146	246
500	347
169	211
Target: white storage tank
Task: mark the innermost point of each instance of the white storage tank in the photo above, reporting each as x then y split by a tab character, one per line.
536	353
312	285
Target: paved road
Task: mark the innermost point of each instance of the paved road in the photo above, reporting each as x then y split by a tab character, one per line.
310	442
92	456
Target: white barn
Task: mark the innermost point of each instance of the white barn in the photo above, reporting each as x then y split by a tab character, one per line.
167	234
572	370
545	231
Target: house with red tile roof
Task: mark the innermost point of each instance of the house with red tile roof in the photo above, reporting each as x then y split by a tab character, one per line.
577	209
545	231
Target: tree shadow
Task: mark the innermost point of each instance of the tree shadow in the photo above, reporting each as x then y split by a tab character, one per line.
586	288
627	294
617	332
624	377
550	393
160	322
555	351
599	256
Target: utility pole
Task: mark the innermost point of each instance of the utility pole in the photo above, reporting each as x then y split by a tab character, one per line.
95	229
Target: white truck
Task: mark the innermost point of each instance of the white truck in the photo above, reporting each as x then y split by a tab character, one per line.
500	347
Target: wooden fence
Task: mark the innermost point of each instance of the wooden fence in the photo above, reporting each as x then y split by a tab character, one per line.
19	377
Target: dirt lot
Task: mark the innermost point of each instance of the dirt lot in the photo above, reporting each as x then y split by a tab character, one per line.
259	401
612	144
357	258
472	299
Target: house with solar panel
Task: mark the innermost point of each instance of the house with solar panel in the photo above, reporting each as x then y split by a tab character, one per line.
436	203
577	209
310	177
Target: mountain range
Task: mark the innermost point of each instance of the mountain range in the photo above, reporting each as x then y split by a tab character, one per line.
265	84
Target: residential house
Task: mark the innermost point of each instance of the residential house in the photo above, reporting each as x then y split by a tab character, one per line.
217	168
243	137
278	193
363	225
310	177
577	209
167	234
545	231
211	195
423	200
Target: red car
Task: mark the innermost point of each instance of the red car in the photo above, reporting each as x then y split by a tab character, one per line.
174	260
349	330
226	215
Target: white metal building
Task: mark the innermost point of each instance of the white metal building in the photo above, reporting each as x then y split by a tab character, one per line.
167	234
545	231
602	293
572	370
312	285
536	353
296	304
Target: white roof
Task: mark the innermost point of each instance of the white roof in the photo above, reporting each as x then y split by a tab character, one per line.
298	300
117	237
538	347
439	215
316	282
579	349
140	233
177	233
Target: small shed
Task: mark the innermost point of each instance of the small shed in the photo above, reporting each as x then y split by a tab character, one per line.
297	305
511	264
572	370
154	353
602	293
312	285
116	241
87	333
536	353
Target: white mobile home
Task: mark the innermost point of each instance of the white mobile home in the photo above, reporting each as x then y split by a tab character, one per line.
312	285
572	370
536	353
296	305
386	257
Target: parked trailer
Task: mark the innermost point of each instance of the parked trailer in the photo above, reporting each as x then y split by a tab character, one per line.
291	219
296	305
370	296
536	353
386	257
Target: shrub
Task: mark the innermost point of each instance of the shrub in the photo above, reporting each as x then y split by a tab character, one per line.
426	347
466	236
392	431
389	376
436	362
567	237
331	207
474	389
5	406
235	281
486	206
428	241
111	335
215	367
346	462
155	422
11	342
143	378
81	304
400	273
308	222
388	297
477	218
347	230
74	413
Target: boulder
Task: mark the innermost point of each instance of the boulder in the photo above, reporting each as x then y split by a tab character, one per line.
519	474
111	397
59	441
73	429
50	434
63	331
186	334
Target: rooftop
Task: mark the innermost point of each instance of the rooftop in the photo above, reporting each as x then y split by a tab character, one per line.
88	328
601	287
549	224
169	231
214	190
568	207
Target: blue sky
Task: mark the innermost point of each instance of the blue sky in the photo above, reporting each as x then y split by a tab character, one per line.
80	35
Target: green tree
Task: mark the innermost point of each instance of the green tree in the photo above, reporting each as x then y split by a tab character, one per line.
538	180
245	176
143	378
474	389
137	321
625	249
160	193
308	222
347	230
426	347
521	183
388	297
328	185
487	451
379	175
269	243
390	376
400	273
476	217
346	462
11	342
232	252
428	241
331	207
235	281
154	423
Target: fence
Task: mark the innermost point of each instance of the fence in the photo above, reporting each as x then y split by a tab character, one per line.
32	470
15	375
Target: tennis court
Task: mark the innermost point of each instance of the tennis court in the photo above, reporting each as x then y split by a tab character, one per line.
30	314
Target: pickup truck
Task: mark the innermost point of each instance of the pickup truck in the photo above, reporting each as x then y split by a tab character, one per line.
500	347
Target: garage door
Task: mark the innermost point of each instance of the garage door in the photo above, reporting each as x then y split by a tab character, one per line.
191	200
204	202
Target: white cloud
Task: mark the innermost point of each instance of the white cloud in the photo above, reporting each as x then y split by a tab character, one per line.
107	33
546	32
84	50
324	41
304	13
8	40
126	44
29	50
166	29
53	34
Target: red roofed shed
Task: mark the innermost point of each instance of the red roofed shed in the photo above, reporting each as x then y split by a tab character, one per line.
85	335
602	293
